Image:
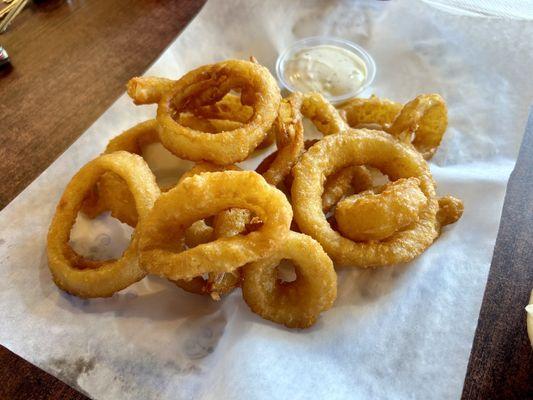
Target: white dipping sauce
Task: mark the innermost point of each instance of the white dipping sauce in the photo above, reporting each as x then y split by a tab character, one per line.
328	69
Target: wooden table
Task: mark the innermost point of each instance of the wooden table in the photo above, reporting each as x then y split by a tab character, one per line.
501	360
70	62
60	50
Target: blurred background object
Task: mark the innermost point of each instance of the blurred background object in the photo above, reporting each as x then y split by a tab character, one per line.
4	57
10	11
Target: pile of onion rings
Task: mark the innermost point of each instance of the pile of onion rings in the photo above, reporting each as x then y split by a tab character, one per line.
360	196
421	122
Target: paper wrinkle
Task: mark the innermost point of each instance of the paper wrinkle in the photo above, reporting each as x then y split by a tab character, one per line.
491	8
402	332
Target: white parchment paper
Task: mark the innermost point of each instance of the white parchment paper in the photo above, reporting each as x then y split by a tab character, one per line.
402	332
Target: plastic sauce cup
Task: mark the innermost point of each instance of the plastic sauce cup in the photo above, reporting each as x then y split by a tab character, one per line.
310	42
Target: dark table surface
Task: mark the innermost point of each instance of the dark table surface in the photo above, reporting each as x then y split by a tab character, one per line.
501	360
61	49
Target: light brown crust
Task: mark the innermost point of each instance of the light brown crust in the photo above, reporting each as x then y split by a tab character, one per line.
198	197
450	210
294	304
422	122
207	85
345	182
86	278
362	147
378	216
359	113
290	132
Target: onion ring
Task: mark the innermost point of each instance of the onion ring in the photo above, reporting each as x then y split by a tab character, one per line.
212	125
231	222
192	121
229	108
290	132
362	113
73	273
268	140
198	197
111	192
227	114
289	139
198	233
202	167
422	122
206	85
450	210
295	304
371	216
324	116
362	147
347	181
225	224
148	89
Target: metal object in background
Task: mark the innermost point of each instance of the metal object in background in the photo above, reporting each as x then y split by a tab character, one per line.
4	57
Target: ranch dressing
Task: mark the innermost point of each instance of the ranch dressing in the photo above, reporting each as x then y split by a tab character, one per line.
328	69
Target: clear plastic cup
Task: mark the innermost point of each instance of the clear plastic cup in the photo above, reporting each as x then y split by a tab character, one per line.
321	40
